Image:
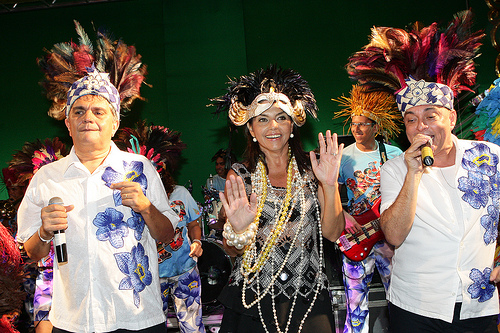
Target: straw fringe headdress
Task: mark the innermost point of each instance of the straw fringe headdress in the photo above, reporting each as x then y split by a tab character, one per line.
379	106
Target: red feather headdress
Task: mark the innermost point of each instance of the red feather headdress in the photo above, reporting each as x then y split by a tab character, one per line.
444	57
66	63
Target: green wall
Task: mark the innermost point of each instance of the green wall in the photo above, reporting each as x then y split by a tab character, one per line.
191	47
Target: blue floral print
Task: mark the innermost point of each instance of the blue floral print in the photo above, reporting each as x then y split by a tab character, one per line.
490	223
136	222
135	265
481	288
480	159
482	182
110	226
133	172
189	288
358	319
476	190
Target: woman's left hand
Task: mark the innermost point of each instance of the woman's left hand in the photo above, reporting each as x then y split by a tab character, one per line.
326	169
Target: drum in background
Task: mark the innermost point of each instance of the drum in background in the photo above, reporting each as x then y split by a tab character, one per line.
215	267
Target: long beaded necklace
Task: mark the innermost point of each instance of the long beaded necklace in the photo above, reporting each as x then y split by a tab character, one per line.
249	254
284	216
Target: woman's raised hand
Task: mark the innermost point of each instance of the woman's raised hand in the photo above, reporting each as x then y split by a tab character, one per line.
239	211
326	169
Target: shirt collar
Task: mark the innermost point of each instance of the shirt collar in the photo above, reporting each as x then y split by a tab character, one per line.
74	167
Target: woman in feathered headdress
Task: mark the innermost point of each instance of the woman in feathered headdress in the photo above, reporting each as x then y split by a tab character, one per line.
445	204
278	281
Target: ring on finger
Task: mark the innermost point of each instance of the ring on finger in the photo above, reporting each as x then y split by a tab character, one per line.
125	196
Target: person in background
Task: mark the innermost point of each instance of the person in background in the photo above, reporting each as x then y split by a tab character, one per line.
223	161
179	275
370	114
25	163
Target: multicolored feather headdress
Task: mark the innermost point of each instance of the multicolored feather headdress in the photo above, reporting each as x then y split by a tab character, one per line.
34	155
379	106
66	63
422	66
162	146
486	126
252	94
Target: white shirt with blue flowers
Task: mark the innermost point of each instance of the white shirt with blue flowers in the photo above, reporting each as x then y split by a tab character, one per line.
111	278
451	244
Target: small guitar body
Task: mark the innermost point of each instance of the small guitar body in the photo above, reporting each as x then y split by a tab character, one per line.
357	246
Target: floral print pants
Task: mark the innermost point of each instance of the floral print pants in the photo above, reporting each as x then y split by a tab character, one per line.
185	291
357	277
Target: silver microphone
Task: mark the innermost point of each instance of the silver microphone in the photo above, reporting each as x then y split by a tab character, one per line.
59	237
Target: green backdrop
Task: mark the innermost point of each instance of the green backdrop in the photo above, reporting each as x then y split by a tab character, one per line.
191	47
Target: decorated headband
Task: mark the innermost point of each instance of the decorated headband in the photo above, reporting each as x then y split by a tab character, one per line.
423	66
378	106
117	65
94	84
253	94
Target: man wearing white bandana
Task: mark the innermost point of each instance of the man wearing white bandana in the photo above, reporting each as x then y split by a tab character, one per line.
114	208
442	219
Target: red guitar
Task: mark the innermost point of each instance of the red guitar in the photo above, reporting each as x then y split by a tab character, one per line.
357	246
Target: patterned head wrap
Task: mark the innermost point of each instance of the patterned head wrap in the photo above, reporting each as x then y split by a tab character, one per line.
423	93
94	83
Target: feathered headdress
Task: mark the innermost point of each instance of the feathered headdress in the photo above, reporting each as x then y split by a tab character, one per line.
159	144
252	94
66	63
34	155
486	126
11	277
379	106
422	66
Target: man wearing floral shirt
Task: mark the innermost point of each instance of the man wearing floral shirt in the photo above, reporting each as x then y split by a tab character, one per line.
442	219
114	208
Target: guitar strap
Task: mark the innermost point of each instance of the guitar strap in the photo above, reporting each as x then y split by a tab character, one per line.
383	153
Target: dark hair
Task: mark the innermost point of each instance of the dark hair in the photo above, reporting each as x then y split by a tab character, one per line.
253	152
168	181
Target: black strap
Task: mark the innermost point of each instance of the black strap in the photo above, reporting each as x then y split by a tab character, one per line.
383	154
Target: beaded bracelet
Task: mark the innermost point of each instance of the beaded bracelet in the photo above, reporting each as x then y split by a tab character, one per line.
44	240
239	241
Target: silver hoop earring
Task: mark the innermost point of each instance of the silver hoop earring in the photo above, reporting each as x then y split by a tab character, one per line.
291	136
254	139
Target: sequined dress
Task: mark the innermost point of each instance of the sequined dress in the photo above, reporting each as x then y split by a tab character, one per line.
304	269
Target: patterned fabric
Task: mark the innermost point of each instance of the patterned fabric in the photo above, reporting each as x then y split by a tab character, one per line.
448	252
185	291
173	258
94	83
109	248
423	93
360	173
299	275
43	295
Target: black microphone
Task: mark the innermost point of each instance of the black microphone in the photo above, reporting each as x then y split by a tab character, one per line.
427	155
59	237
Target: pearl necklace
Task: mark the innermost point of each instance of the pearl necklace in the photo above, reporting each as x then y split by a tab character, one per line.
283	217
